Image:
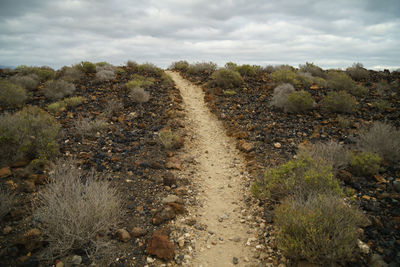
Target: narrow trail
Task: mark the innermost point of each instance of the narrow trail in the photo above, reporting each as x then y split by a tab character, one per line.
220	176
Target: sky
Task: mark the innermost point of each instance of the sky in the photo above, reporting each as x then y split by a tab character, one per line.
330	34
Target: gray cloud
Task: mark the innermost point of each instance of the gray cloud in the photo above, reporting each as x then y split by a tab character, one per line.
328	33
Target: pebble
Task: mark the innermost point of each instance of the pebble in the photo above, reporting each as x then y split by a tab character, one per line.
7	230
277	145
60	264
235	260
150	260
76	260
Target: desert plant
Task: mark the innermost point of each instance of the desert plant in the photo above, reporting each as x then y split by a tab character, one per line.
227	79
71	74
300	177
285	75
321	229
44	73
280	96
29	82
132	64
169	139
382	88
104	75
382	105
340	102
31	133
62	104
229	92
365	163
113	107
55	107
139	95
139	81
86	127
331	152
166	80
119	71
73	101
7	201
180	65
56	89
343	122
151	69
358	72
74	207
11	95
314	70
359	90
321	82
299	101
230	66
340	81
246	70
202	68
87	67
382	139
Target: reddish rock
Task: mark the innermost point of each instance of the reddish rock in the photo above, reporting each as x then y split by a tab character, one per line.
123	235
160	246
165	214
5	172
245	146
174	163
178	208
138	231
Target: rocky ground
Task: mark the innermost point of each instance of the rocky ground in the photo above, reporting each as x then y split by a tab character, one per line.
269	137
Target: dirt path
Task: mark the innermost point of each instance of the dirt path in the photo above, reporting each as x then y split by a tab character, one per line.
220	179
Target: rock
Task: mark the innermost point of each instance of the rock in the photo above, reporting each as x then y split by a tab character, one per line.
396	185
28	186
165	214
181	242
76	260
345	176
181	191
31	239
277	145
138	231
245	146
150	260
7	230
38	179
169	179
178	208
190	221
60	264
160	246
235	260
123	235
377	261
363	247
5	172
170	199
173	163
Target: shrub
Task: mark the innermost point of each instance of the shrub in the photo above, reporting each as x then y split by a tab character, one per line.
85	127
358	72
166	80
331	152
227	79
7	201
87	67
285	75
341	102
67	102
101	66
139	95
113	107
299	177
132	64
74	207
202	68
382	139
321	229
151	69
55	107
321	82
71	74
230	66
169	139
119	71
382	88
29	82
246	70
57	89
314	70
28	133
180	65
229	92
280	96
44	73
365	164
139	81
343	122
11	95
381	105
105	75
299	101
73	101
359	90
339	81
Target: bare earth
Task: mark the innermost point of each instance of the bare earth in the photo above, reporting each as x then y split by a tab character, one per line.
219	177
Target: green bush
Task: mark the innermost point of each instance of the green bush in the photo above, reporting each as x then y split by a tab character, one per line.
299	101
169	139
180	65
166	80
29	82
87	67
119	71
365	164
11	95
132	64
285	75
321	82
202	68
246	70
340	102
67	102
139	81
56	89
314	70
359	90
85	127
151	69
28	133
358	72
381	105
321	229
382	139
226	79
230	66
299	177
340	81
44	73
71	74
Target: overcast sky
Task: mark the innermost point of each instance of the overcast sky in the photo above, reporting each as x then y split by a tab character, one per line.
332	33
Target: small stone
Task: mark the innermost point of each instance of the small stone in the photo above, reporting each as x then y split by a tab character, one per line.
7	230
277	145
235	260
138	231
76	260
245	146
123	235
190	221
60	264
171	198
5	172
236	239
150	260
363	247
173	163
160	246
181	242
